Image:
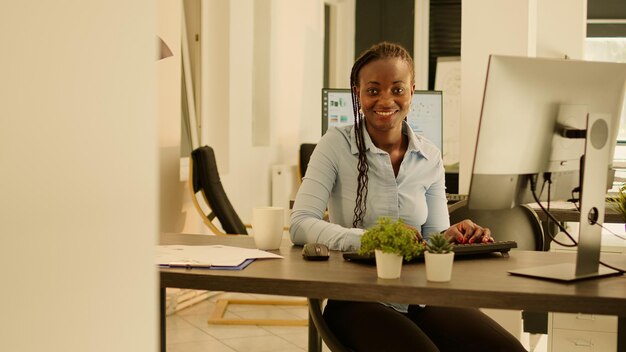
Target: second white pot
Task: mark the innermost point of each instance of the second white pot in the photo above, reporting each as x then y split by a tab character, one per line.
439	266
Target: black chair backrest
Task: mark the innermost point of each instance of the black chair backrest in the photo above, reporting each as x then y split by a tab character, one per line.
520	224
206	178
306	149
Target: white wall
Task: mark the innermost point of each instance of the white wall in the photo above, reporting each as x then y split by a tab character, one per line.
173	210
289	53
342	28
295	82
561	28
78	197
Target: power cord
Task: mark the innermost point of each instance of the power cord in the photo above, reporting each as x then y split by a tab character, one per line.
600	224
611	232
533	184
533	189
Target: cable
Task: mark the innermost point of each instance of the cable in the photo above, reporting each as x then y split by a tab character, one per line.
547	177
614	234
618	236
611	232
620	270
601	225
550	216
533	188
543	185
574	199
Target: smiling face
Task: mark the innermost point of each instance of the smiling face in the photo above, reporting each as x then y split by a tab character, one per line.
385	89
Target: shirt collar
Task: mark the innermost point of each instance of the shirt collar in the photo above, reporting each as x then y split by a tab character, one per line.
415	142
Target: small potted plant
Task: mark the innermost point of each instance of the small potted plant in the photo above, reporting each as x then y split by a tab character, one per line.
391	241
619	201
439	258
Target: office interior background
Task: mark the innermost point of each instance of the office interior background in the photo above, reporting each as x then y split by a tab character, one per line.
91	132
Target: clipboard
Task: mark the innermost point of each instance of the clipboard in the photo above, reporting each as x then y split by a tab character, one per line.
216	257
191	265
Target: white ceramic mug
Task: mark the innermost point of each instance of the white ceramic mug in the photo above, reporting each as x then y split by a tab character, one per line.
267	224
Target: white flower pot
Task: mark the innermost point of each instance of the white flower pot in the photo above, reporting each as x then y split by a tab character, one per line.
388	265
439	266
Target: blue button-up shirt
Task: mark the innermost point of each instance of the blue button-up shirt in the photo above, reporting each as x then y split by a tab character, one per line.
417	195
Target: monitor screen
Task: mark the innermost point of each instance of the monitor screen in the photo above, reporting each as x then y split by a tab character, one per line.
540	118
425	116
527	105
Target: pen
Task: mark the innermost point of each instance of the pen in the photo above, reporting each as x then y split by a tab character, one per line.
187	265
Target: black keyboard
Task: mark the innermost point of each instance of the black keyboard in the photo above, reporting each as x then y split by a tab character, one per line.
503	247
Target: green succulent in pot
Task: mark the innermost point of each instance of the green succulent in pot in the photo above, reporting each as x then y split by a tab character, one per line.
619	201
438	243
439	258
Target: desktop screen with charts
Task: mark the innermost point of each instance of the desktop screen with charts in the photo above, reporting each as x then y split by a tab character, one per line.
425	116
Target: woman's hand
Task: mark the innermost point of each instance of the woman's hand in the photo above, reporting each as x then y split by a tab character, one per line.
418	235
468	232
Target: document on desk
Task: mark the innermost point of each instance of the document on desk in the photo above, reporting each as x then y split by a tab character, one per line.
209	257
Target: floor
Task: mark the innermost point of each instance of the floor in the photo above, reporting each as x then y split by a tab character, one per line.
188	331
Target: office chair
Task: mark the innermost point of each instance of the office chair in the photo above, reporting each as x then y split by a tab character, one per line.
315	311
204	178
306	149
520	224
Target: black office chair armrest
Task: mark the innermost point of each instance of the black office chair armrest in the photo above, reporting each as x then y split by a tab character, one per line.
315	309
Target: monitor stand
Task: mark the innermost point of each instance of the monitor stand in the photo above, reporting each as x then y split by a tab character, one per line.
565	272
595	169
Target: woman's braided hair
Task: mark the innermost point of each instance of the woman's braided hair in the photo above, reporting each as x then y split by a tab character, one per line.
378	51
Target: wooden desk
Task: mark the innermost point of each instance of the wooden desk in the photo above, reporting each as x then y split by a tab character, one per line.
475	282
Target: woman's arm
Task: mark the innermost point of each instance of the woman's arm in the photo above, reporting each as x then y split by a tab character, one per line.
438	220
307	224
438	217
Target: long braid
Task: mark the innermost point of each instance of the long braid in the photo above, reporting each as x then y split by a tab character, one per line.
362	165
376	52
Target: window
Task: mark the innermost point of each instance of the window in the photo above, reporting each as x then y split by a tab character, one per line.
614	50
606	41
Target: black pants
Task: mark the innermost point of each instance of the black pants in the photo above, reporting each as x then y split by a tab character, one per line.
370	326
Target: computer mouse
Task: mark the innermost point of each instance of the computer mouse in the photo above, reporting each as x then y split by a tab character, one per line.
315	251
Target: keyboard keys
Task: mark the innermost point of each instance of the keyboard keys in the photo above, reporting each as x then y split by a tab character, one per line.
467	249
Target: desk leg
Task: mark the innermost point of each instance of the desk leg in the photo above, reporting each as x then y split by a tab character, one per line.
621	333
162	317
315	341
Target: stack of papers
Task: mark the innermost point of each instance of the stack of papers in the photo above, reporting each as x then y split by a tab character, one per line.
209	257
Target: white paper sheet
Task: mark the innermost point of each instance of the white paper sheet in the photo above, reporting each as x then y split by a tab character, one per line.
216	255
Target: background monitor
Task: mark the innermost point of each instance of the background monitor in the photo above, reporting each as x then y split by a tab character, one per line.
528	106
425	116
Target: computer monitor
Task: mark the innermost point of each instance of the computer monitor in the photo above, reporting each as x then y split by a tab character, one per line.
425	116
539	116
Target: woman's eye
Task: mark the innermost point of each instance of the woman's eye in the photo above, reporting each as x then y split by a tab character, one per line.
372	91
398	91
